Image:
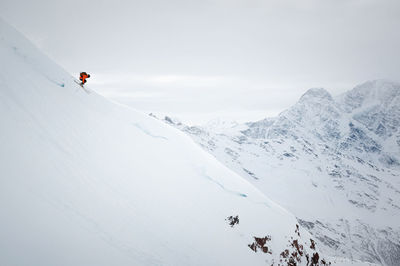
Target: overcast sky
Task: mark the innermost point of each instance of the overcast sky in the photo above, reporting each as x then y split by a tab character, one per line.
244	59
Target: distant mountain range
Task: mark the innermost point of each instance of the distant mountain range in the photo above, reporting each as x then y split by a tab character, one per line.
332	161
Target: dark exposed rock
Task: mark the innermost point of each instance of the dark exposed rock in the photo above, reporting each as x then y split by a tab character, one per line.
293	254
250	173
312	246
297	231
315	259
260	243
285	253
233	220
306	224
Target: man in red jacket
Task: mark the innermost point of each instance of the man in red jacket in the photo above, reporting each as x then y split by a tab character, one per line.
83	77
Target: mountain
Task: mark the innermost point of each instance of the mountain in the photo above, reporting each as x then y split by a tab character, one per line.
332	161
85	181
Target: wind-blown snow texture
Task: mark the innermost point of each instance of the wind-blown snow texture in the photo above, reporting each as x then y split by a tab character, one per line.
333	162
85	181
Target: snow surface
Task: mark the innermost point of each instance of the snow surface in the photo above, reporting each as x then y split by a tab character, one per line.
85	181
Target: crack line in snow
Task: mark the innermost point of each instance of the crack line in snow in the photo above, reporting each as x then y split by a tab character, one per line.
147	132
237	193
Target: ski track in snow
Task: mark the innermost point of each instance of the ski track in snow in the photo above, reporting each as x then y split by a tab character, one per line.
236	193
147	132
25	57
224	188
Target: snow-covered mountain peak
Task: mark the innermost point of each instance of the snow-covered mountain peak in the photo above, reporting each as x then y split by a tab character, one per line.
315	112
314	106
371	93
381	88
316	94
376	106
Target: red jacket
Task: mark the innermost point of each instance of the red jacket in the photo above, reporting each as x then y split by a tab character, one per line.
84	76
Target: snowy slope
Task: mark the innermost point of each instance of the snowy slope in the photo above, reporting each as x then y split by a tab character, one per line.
85	181
333	162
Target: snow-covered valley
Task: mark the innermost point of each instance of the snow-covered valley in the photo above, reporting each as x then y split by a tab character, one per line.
332	161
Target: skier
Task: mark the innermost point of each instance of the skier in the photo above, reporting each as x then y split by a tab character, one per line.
83	77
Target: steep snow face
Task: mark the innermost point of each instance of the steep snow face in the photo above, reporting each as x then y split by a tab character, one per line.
88	182
333	162
369	94
376	106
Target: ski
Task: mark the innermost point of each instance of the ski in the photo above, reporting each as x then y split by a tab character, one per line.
80	84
